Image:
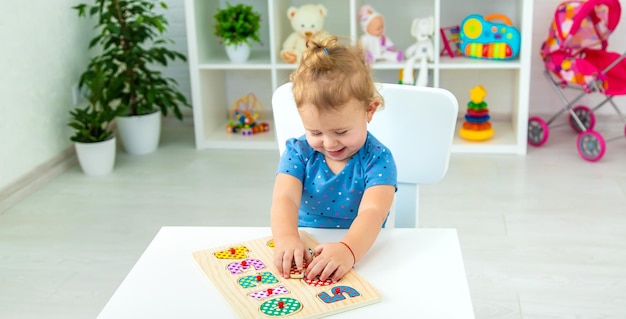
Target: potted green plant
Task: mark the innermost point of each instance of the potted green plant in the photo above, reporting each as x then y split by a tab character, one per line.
131	49
236	26
94	139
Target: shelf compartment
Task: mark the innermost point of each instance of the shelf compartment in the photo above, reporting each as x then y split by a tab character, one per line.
219	138
504	141
501	86
335	22
398	16
205	45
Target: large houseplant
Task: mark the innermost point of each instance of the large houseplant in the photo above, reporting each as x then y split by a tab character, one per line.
236	26
93	136
131	48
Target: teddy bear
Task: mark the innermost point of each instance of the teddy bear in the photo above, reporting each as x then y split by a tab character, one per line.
422	51
377	46
307	22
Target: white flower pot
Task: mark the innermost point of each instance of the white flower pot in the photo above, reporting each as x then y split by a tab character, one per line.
238	53
96	159
140	134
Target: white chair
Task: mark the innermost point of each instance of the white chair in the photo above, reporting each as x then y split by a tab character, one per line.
417	124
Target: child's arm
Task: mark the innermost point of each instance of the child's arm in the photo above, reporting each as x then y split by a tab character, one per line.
338	258
284	222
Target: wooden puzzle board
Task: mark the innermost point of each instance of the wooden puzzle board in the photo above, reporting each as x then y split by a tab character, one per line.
256	283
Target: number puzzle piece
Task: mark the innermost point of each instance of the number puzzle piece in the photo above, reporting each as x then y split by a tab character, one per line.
270	243
298	274
239	267
317	282
338	294
239	252
295	273
281	306
269	292
260	279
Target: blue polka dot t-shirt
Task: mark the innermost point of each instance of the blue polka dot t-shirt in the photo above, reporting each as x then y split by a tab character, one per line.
332	200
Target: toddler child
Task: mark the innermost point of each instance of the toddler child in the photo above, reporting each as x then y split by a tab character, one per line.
337	175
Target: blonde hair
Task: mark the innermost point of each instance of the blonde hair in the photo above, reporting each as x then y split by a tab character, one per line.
330	74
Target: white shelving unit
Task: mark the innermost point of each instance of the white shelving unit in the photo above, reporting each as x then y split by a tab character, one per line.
216	82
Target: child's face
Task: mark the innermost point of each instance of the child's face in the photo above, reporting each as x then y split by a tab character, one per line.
338	134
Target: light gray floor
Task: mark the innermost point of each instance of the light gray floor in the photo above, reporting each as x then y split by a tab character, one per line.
543	235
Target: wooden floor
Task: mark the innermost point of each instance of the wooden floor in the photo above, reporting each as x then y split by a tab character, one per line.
542	235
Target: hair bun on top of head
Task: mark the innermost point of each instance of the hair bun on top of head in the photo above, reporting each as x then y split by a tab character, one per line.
323	45
318	52
329	54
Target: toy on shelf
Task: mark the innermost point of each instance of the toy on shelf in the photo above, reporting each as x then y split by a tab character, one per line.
307	22
451	38
377	46
244	116
422	51
476	126
483	39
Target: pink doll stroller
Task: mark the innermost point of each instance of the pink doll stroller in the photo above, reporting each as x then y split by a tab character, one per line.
575	57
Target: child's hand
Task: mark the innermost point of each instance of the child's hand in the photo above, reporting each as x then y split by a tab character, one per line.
330	259
288	250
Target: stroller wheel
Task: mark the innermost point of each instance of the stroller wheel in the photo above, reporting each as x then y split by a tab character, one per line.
538	131
585	115
591	145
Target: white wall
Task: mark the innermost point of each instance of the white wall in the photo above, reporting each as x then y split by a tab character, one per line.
543	100
175	14
43	51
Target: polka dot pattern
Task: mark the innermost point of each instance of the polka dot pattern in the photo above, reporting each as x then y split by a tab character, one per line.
253	281
239	252
265	293
239	267
317	282
289	306
338	294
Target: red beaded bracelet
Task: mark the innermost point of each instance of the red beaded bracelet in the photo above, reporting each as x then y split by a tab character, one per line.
350	249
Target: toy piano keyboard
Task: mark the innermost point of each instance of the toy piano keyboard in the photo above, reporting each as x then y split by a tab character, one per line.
484	39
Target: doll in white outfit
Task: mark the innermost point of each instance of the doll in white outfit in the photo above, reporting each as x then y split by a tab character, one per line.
377	46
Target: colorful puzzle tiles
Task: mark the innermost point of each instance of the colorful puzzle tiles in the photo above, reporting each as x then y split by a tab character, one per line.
245	275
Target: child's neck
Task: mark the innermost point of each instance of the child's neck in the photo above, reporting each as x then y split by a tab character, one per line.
334	165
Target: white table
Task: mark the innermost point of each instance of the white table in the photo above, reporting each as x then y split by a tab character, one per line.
419	273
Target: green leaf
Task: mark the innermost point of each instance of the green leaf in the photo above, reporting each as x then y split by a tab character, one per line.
123	75
236	24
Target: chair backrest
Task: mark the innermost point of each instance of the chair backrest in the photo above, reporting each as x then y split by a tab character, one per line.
417	124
